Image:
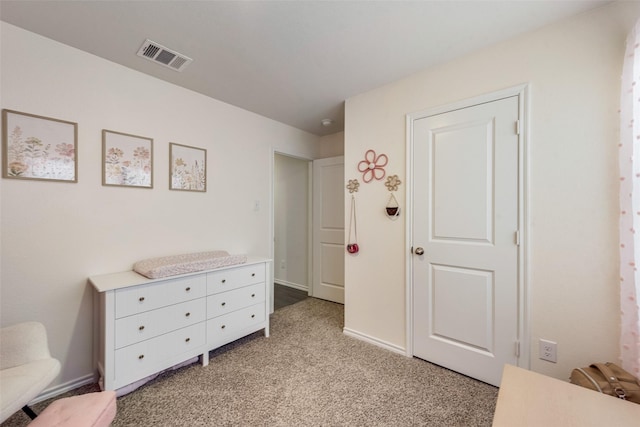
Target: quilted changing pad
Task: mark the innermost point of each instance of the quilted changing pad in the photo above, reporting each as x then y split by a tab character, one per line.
155	268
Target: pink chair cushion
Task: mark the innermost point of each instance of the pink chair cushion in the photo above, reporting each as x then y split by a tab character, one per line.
85	410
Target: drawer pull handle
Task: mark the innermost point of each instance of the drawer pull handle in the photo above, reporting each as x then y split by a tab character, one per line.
188	314
253	315
224	280
188	289
187	340
141	328
141	299
223	304
253	295
222	327
253	274
141	357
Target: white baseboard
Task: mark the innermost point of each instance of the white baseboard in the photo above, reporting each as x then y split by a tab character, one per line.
375	341
291	284
63	388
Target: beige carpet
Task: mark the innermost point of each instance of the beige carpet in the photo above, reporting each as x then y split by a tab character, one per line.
308	373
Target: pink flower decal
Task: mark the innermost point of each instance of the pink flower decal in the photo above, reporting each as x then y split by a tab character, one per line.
373	166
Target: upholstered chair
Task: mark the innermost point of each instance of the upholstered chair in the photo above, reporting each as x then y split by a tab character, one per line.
26	366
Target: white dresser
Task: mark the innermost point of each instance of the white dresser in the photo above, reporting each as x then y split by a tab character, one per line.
145	326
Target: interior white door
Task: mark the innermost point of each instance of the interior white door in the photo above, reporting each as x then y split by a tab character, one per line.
465	219
328	229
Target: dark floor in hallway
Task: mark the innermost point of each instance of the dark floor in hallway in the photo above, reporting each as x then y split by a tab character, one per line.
285	295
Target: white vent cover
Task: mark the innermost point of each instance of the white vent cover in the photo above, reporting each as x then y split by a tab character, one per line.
161	55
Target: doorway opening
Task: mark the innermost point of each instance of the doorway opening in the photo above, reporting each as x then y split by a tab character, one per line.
291	228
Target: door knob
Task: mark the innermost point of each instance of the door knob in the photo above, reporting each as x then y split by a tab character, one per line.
419	251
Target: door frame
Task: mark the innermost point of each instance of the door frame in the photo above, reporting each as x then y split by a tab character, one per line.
522	92
272	218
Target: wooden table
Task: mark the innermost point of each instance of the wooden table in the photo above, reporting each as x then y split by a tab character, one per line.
527	398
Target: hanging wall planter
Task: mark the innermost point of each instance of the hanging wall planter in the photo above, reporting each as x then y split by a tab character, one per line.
393	207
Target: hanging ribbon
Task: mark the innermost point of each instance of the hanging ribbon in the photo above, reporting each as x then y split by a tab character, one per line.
352	246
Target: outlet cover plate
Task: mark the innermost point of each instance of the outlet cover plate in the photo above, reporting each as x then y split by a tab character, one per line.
548	351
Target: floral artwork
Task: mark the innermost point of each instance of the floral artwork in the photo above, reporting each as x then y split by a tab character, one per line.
392	183
372	167
127	160
188	168
36	147
353	186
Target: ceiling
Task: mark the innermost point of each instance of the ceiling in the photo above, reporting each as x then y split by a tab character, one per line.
292	61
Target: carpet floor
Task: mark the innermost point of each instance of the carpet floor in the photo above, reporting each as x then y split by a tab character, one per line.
307	373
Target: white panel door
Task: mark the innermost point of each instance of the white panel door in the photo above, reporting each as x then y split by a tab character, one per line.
465	284
328	229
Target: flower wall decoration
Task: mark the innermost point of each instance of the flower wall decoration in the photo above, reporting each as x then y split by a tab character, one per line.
37	147
187	176
372	167
353	186
188	167
127	160
392	183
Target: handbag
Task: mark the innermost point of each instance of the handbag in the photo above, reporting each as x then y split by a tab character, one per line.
608	378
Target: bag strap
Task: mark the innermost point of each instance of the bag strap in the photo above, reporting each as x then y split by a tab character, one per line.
612	379
590	378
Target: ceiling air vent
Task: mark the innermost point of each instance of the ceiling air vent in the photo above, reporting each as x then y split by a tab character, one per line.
159	54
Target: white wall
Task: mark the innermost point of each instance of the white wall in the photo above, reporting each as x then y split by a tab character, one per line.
332	145
291	221
573	68
55	235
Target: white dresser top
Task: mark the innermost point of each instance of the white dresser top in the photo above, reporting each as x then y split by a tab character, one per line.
124	279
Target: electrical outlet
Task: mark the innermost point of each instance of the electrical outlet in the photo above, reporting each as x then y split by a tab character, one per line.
548	351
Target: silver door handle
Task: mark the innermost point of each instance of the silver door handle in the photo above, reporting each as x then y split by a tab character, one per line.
419	251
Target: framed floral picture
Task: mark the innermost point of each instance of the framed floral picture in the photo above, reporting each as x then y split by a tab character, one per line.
37	147
187	168
127	160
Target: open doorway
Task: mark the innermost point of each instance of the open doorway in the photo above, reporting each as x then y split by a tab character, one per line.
291	228
308	228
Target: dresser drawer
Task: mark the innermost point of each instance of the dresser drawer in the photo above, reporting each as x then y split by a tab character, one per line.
143	298
219	328
229	301
140	327
142	359
226	280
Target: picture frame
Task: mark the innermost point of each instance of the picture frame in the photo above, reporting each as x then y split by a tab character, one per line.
187	168
127	160
39	148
